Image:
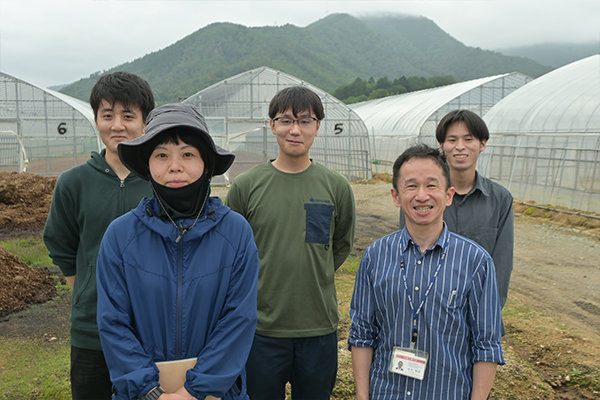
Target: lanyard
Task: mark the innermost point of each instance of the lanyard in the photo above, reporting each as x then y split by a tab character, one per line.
415	313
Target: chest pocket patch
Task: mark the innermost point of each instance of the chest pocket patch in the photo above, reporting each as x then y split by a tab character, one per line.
318	222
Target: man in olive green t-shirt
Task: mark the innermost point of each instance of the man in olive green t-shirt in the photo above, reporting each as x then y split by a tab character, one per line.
302	216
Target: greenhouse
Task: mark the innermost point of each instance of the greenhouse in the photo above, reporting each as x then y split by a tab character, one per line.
545	144
43	131
396	122
236	111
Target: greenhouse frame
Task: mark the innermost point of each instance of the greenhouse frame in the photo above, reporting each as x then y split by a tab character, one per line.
545	138
396	122
43	131
236	111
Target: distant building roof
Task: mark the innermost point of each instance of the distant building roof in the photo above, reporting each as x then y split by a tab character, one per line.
81	106
566	100
56	131
407	114
237	113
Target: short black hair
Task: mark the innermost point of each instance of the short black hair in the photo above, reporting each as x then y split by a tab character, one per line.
474	123
421	151
299	99
125	88
175	135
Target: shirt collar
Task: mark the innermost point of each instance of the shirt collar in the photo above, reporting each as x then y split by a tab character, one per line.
479	185
406	240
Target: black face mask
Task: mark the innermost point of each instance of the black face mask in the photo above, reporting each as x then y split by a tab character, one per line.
184	202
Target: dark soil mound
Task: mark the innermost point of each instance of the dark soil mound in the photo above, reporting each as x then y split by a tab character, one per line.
21	285
24	204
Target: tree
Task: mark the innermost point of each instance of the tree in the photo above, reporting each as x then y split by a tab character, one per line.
383	83
444	80
379	93
361	90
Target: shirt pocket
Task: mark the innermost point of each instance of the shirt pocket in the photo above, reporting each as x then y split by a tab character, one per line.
318	222
453	301
453	315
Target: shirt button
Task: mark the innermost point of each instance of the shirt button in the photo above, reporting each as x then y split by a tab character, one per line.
419	262
417	288
408	393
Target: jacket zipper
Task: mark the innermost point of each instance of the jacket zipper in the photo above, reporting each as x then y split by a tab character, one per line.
179	317
122	196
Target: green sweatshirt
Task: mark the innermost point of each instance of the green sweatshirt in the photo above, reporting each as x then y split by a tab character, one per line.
86	199
303	225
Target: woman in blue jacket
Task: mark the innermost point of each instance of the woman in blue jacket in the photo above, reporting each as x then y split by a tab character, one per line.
177	275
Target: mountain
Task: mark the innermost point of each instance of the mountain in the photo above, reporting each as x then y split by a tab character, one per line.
58	87
554	54
328	53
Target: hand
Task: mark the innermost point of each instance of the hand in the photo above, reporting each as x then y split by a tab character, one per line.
70	281
176	396
180	394
171	396
483	379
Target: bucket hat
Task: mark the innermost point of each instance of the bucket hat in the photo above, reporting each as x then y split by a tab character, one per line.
135	153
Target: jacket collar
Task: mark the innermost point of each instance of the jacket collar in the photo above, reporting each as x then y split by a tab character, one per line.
148	213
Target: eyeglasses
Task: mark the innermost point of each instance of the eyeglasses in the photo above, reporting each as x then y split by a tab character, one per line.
305	122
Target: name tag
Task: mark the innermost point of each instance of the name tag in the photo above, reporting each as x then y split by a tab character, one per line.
409	362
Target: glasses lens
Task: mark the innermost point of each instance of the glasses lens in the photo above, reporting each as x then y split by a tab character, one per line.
285	121
306	122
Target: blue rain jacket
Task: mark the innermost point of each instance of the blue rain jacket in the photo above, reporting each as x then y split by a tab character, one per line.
159	300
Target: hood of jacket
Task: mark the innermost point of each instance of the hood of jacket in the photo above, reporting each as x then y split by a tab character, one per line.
97	161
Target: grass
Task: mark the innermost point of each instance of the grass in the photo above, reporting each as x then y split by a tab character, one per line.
32	251
517	310
344	281
350	265
34	369
587	377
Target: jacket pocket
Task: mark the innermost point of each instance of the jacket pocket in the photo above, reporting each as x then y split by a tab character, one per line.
318	222
82	285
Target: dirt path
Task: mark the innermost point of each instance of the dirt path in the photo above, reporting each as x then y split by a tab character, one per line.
557	271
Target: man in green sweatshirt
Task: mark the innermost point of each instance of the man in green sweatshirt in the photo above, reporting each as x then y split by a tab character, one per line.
86	199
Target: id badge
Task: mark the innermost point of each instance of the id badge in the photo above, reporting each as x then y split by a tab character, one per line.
409	362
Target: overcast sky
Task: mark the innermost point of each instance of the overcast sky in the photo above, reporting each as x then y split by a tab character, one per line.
52	42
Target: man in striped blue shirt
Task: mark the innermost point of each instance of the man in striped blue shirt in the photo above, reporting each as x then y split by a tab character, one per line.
425	312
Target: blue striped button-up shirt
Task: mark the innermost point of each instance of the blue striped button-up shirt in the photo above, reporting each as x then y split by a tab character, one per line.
458	325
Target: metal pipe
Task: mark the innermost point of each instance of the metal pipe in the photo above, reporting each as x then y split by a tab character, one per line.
558	210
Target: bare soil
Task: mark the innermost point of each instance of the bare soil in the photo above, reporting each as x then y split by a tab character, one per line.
24	203
552	318
22	285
